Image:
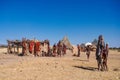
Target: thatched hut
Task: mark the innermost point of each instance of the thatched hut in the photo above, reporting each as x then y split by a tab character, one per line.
67	43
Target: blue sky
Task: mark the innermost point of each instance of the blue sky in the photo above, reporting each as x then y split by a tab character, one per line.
80	20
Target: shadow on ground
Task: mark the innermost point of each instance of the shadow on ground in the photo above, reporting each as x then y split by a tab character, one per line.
116	69
81	60
86	68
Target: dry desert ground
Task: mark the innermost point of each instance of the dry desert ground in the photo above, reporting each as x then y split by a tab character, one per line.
68	67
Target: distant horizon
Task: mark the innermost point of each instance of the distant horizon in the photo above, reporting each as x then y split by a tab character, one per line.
81	21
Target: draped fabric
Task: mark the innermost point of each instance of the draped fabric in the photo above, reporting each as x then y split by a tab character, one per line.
37	47
31	46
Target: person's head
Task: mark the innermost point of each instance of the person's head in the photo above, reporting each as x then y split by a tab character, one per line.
100	38
106	44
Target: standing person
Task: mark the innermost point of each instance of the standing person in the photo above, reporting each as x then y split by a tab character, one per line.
78	47
49	50
59	48
64	49
105	57
107	50
88	51
24	47
9	49
99	52
54	50
37	48
31	46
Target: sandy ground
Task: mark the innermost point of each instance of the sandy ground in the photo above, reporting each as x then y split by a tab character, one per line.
14	67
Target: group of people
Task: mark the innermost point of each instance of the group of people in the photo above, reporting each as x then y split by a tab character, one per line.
38	48
87	49
31	46
59	49
102	54
43	48
102	51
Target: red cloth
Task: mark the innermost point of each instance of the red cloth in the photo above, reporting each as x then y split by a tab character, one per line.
37	46
31	46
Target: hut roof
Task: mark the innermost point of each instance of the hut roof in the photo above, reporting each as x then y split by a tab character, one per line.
66	41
